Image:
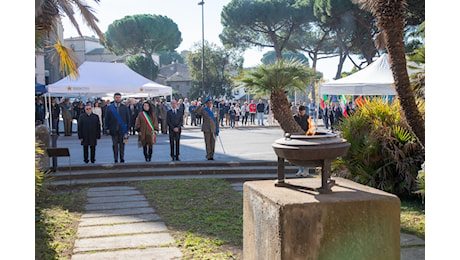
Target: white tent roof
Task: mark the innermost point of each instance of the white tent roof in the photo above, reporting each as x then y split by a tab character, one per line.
375	79
100	79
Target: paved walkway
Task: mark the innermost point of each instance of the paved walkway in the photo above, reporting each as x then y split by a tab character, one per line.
119	223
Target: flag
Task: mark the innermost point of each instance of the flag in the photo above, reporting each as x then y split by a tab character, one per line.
360	101
343	105
322	100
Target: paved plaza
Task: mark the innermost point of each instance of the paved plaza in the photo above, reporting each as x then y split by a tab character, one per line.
234	144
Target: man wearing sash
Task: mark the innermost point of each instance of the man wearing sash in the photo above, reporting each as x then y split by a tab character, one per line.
209	127
116	123
174	118
147	128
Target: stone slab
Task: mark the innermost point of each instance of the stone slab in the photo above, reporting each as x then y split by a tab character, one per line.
111	188
411	240
122	229
164	253
413	253
118	219
121	242
112	193
94	200
117	212
353	222
116	205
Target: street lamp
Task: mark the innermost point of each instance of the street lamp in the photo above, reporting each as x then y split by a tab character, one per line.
202	44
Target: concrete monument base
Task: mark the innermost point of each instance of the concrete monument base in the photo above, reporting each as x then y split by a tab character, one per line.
354	222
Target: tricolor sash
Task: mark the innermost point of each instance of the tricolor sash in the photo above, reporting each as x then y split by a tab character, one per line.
149	122
124	127
211	114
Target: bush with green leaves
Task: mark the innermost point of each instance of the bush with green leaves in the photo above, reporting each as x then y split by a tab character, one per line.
384	153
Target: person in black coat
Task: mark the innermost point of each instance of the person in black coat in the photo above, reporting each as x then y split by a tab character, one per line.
174	119
133	111
302	118
55	111
118	130
89	131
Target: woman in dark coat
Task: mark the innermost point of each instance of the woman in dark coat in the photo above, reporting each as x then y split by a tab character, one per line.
89	131
147	127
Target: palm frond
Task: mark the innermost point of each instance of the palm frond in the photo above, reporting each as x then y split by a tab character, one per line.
66	59
91	20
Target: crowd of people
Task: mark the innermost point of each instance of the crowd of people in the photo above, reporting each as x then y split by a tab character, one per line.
149	117
120	119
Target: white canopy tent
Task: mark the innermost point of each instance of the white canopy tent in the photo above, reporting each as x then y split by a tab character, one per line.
375	79
102	79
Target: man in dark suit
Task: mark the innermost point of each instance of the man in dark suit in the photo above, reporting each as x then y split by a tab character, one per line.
89	131
174	118
116	122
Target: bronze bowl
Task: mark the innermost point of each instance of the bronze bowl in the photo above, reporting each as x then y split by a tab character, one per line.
316	150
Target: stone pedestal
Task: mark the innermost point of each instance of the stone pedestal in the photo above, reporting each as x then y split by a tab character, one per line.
354	222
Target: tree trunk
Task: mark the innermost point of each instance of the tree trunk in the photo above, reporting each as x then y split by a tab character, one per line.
343	53
282	113
391	19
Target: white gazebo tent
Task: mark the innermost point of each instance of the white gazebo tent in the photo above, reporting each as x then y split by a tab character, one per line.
375	79
101	79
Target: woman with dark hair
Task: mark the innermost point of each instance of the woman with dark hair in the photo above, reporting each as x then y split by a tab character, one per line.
147	126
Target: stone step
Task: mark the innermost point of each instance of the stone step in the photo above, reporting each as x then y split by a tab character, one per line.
164	253
122	242
117	212
243	176
121	229
171	164
166	171
112	220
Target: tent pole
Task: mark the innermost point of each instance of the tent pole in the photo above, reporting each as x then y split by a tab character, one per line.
50	114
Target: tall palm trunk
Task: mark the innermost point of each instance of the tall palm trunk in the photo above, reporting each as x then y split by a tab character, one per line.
390	20
282	113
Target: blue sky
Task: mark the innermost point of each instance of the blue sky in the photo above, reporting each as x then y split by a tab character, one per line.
187	15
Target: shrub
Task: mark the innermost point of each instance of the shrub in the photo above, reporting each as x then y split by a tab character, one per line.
384	153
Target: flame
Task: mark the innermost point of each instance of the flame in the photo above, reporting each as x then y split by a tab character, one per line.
310	127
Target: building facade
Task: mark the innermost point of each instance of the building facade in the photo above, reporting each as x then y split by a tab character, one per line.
177	76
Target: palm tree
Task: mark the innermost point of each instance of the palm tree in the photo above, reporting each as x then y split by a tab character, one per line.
47	13
390	21
276	79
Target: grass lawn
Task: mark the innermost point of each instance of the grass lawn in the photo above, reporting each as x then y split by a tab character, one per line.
204	216
57	215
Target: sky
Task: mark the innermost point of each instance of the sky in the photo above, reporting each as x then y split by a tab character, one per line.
187	15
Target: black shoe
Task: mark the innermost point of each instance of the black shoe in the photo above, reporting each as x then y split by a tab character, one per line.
86	161
210	159
122	161
116	161
177	158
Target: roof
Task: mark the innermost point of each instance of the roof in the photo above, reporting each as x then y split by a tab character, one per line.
375	79
97	51
179	77
98	79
